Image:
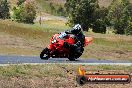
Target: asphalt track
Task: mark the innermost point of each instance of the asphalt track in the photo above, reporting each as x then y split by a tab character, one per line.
36	60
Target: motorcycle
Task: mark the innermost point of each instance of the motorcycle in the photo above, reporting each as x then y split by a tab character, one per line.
58	47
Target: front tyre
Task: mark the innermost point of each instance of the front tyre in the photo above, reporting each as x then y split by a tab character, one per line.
45	54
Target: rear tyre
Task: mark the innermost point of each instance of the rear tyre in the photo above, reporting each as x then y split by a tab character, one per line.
44	54
71	57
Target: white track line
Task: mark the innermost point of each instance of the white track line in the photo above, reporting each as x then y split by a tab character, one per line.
124	64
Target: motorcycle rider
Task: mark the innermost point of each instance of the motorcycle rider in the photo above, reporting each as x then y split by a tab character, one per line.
79	39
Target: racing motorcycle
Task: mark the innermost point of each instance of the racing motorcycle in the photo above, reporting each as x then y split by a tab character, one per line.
61	47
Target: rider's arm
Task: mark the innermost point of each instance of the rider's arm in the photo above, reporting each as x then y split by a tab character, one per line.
70	31
80	41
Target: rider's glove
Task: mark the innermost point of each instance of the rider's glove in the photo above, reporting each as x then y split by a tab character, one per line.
78	43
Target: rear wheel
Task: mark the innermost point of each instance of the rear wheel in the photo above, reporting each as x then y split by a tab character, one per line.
75	53
72	57
45	54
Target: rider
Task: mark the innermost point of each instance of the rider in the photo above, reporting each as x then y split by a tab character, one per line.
79	38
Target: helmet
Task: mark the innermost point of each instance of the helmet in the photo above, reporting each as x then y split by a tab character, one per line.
77	28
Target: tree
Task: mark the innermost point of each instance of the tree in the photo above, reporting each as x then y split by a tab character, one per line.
81	11
60	11
100	16
20	2
52	8
25	13
4	9
99	26
28	13
128	16
118	15
16	13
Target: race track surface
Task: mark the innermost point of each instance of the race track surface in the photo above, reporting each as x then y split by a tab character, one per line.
37	60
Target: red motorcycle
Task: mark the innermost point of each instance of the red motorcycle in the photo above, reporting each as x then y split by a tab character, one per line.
57	48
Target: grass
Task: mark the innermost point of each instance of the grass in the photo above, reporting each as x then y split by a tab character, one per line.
45	6
109	46
53	25
10	50
54	70
54	75
115	44
30	71
27	39
20	40
47	25
104	3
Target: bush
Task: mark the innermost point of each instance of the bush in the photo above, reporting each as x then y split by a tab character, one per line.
99	27
128	30
25	13
120	15
16	13
20	2
4	9
28	13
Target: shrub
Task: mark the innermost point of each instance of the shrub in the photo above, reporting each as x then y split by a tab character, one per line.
99	27
25	13
4	9
128	30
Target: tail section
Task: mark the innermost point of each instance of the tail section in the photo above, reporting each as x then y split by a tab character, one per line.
88	40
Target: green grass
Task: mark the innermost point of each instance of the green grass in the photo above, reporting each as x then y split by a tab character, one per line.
30	71
46	26
109	46
53	70
53	25
45	6
114	44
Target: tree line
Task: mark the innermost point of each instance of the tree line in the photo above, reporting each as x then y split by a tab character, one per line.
25	10
90	15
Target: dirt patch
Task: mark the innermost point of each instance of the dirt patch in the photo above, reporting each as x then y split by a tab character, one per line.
10	44
6	39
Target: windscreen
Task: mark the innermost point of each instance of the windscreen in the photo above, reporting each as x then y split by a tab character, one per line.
62	35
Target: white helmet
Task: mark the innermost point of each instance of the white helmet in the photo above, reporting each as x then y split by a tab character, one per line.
77	28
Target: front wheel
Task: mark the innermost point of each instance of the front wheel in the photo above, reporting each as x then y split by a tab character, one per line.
45	54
